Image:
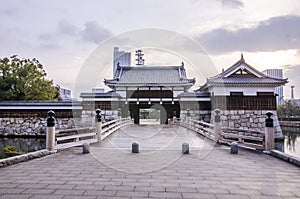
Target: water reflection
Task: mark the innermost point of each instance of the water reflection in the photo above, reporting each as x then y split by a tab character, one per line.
291	142
23	144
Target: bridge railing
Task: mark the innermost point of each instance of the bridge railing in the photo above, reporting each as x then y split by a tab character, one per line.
244	137
201	127
67	138
247	138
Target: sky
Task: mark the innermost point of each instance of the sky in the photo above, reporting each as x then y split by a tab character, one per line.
63	34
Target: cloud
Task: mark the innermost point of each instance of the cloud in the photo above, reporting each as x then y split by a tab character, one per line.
67	28
277	33
93	32
234	4
66	32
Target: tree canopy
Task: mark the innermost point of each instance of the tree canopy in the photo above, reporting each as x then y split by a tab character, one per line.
24	79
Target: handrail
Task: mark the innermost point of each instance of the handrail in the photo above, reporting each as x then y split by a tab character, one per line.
90	137
247	138
74	130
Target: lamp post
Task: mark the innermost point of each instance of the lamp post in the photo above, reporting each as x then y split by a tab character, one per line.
98	122
50	136
269	132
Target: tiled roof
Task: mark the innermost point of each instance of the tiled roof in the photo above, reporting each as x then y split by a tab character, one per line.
100	95
245	80
242	74
154	75
194	94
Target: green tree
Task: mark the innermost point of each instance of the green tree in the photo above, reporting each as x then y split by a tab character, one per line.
288	110
24	79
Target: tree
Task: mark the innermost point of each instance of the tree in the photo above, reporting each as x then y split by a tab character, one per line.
24	79
288	110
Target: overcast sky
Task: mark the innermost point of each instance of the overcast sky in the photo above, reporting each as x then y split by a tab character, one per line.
62	34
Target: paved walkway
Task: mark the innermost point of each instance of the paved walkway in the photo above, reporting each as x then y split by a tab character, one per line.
112	173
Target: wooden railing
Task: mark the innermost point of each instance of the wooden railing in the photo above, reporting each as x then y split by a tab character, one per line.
244	137
200	127
76	137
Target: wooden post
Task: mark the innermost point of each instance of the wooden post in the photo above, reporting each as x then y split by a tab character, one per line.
269	133
50	132
119	117
217	125
98	122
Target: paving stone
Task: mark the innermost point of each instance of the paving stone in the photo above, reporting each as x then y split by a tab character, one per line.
157	194
15	196
60	186
80	197
232	196
32	186
47	197
39	191
119	188
148	188
11	191
68	192
100	193
198	195
133	193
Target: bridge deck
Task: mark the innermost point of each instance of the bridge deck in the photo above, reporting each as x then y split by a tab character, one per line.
109	171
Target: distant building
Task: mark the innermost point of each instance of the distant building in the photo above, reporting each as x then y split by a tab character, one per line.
65	94
276	73
120	58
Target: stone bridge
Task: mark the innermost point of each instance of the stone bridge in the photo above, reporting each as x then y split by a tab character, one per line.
160	170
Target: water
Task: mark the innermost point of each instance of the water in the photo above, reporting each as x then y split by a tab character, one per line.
291	142
22	144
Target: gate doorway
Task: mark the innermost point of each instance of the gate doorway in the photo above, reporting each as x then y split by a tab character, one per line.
149	116
163	112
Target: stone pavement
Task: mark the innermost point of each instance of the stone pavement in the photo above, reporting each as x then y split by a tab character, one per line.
219	174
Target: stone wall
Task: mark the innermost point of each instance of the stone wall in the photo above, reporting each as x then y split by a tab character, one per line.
197	114
249	119
33	126
244	119
88	116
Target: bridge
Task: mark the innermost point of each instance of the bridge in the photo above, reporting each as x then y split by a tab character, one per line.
159	170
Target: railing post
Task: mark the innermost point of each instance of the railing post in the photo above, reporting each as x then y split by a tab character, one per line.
188	115
217	125
269	132
50	132
98	122
119	117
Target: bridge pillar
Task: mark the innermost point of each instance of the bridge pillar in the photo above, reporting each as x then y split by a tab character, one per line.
217	125
50	132
269	133
98	123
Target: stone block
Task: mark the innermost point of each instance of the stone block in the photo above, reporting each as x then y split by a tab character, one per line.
85	148
237	125
234	148
240	112
135	147
185	148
